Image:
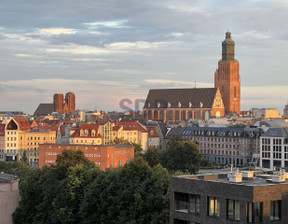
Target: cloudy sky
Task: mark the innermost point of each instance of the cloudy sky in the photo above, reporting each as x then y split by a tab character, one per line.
105	51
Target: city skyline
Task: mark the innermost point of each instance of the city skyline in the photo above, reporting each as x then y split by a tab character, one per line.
108	51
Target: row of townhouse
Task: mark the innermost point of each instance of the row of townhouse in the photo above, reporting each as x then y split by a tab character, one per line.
103	133
234	145
20	135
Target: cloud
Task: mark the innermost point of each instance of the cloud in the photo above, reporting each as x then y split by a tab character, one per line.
134	46
109	24
55	31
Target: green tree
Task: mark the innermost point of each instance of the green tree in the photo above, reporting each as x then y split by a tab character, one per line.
24	158
131	194
54	194
181	155
137	149
152	156
70	158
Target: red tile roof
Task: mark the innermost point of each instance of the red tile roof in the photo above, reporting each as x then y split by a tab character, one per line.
130	126
89	128
23	124
152	133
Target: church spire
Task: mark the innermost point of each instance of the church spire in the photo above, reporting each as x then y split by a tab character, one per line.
228	48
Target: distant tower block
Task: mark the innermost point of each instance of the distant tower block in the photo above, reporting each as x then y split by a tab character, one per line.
285	112
58	100
227	77
70	101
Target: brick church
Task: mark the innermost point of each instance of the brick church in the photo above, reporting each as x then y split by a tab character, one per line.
200	103
60	104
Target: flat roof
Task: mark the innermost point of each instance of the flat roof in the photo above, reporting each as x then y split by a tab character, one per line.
260	178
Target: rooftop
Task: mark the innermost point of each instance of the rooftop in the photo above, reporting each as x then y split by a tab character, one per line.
259	178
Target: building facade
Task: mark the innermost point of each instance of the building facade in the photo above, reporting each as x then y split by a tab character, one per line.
274	148
225	145
222	198
227	77
105	133
20	138
104	156
183	104
9	197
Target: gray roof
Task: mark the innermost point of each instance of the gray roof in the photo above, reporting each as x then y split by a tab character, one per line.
242	132
187	98
276	132
173	132
44	109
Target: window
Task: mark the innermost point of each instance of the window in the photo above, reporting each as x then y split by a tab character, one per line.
254	212
213	206
234	91
233	210
275	210
180	221
194	204
181	202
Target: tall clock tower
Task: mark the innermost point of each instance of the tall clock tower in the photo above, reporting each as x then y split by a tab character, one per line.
227	77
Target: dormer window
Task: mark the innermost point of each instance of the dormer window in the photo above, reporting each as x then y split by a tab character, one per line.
169	104
158	104
148	105
201	104
190	104
179	104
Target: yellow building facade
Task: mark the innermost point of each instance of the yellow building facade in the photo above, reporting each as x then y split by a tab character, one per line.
20	138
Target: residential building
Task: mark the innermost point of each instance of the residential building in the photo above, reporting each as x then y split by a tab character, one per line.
247	197
233	145
153	138
265	113
285	111
9	197
104	156
2	142
105	133
87	134
20	138
131	131
274	148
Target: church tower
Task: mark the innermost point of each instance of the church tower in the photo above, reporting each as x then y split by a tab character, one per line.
227	77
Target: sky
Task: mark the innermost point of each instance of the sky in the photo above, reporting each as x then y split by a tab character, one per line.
107	51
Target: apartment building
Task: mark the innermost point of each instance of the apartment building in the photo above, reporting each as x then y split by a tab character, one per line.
234	145
274	148
247	197
105	133
20	138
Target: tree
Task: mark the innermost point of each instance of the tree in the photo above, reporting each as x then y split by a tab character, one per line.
131	194
152	156
137	149
181	155
54	194
70	158
24	158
